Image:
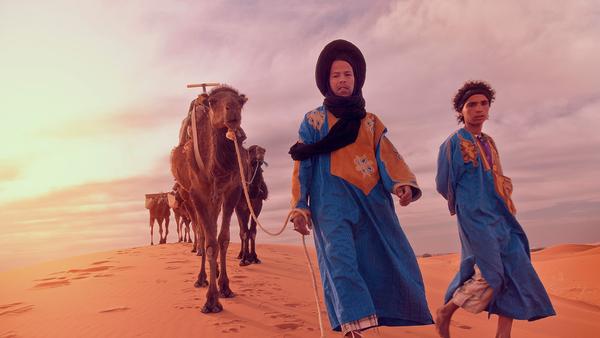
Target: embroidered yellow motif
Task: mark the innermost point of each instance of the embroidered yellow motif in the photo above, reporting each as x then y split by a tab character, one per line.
468	151
316	118
363	165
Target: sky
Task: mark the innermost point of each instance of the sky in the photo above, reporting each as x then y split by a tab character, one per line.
92	95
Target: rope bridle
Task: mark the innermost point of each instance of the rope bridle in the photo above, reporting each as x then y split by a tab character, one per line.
232	136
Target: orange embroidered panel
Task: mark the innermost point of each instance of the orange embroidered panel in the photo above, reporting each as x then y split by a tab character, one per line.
396	168
356	163
468	150
503	184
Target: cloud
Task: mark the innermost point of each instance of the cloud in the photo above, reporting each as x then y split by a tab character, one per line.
9	172
539	58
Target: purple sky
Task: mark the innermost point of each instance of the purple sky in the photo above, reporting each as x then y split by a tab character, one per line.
96	92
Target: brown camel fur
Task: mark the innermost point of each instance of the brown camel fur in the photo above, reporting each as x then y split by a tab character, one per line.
182	217
158	207
258	192
213	186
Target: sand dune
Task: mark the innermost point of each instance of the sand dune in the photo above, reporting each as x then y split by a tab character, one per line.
148	292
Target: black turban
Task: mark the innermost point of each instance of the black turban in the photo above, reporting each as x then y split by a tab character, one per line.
349	110
340	50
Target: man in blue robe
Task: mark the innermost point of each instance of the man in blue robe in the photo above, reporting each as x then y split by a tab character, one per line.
345	171
495	274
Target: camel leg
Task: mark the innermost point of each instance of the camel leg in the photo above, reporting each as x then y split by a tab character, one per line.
166	228
187	232
202	280
224	238
242	216
160	230
253	258
212	304
201	241
196	218
151	230
178	224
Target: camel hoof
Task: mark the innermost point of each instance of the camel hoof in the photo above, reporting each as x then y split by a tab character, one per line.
215	308
244	262
256	260
201	284
226	293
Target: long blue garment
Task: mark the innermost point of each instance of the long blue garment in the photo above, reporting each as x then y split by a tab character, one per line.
366	262
491	237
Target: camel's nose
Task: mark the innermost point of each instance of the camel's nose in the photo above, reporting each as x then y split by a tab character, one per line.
233	118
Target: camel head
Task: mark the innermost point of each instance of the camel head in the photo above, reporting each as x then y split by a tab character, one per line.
225	105
257	153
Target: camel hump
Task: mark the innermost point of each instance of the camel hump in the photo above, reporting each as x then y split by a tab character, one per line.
152	199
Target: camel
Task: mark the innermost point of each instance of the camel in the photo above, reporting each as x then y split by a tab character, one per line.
258	192
212	184
158	207
182	217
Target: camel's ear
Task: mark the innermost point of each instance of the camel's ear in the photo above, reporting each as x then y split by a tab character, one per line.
243	99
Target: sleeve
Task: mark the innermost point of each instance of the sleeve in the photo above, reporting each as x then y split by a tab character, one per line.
302	174
448	172
393	169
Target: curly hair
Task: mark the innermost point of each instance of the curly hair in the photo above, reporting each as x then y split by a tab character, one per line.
468	89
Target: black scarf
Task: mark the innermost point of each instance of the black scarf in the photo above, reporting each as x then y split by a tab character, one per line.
349	110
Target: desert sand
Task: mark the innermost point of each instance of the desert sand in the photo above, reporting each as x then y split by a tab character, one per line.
148	292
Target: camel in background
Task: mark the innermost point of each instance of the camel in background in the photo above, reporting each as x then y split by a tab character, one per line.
182	216
212	184
258	192
158	207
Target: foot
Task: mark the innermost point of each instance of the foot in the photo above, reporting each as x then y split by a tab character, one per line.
201	282
244	262
212	307
354	334
442	322
255	260
226	293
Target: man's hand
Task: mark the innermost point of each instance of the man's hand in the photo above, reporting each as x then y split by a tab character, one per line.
300	224
404	193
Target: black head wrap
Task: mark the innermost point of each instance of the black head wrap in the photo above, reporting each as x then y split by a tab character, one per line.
349	110
483	91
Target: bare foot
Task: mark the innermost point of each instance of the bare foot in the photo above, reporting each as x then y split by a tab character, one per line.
442	322
354	334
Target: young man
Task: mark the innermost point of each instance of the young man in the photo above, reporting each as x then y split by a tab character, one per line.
495	274
345	171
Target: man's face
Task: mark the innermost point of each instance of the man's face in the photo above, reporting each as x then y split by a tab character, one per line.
476	110
341	78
